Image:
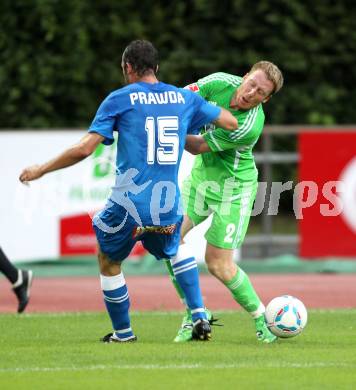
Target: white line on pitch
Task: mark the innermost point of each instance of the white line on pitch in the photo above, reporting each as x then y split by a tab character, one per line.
177	367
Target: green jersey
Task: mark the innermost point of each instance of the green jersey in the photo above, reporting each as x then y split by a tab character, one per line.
231	157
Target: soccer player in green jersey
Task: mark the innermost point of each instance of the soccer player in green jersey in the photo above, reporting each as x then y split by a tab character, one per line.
223	182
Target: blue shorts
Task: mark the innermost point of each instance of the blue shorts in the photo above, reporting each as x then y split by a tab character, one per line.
117	235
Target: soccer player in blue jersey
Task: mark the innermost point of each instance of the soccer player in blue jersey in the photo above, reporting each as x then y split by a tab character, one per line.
153	120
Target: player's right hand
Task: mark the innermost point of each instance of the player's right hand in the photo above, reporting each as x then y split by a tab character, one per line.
31	173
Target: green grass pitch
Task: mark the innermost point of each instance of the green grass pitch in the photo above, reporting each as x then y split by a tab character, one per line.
62	351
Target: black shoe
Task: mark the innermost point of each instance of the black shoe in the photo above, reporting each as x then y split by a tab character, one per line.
201	330
111	338
22	290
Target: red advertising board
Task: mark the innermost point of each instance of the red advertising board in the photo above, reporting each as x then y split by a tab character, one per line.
327	222
77	237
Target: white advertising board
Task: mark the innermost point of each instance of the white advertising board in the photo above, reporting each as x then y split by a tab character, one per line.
30	215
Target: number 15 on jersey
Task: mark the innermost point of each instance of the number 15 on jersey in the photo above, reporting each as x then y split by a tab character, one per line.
167	151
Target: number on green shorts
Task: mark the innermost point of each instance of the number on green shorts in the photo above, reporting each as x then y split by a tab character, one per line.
230	229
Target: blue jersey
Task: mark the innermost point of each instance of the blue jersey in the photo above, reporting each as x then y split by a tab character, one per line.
152	121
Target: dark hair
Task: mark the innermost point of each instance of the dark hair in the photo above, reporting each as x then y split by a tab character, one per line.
142	56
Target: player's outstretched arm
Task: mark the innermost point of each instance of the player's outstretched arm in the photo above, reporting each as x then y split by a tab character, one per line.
71	156
226	120
196	144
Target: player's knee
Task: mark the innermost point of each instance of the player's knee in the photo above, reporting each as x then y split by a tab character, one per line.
108	267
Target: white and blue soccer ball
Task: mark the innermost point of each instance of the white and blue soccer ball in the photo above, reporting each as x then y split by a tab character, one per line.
286	316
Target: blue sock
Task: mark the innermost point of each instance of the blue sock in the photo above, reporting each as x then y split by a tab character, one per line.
186	272
117	301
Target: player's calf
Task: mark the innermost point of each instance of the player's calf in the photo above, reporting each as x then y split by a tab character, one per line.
185	270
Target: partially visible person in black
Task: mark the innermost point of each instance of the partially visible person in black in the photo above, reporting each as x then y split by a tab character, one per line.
20	279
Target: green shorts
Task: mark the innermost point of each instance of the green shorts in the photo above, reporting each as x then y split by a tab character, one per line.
230	217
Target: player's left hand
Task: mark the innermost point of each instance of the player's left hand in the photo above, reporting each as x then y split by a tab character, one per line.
31	173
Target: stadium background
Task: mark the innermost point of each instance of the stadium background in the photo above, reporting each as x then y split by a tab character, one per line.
59	59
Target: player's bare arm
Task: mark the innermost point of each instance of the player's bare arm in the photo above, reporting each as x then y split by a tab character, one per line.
226	120
71	156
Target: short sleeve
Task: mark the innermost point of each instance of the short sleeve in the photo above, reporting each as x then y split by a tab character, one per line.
200	90
105	120
204	86
204	113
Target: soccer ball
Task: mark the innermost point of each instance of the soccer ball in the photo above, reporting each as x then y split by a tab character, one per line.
286	316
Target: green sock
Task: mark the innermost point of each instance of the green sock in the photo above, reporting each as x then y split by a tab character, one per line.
244	294
175	283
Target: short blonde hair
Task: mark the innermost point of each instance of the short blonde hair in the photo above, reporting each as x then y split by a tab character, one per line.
272	72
